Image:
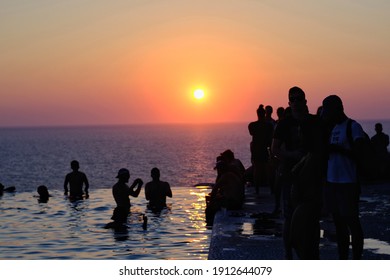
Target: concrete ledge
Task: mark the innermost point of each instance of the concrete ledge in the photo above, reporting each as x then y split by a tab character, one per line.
252	233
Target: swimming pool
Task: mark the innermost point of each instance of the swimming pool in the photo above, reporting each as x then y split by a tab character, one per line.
61	229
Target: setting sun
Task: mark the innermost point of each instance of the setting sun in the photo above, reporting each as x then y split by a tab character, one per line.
199	93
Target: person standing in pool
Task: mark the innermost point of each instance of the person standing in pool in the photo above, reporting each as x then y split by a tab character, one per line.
121	192
76	180
157	191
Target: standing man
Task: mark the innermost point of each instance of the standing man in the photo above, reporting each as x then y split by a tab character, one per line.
380	142
121	192
76	180
261	132
342	190
296	137
157	191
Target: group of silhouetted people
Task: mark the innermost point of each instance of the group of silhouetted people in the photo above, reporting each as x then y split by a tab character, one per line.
312	164
156	192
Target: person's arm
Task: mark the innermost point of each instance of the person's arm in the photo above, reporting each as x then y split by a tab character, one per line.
66	185
278	150
147	191
135	188
168	190
86	183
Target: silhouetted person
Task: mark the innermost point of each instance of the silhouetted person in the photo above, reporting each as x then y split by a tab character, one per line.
234	163
261	132
3	189
280	114
43	194
268	115
76	180
380	142
121	192
227	192
276	187
319	111
342	190
156	191
297	137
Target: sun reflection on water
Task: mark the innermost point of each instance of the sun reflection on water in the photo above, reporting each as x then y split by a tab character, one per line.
61	229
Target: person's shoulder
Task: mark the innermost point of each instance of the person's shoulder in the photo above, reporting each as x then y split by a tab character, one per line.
283	124
253	125
231	176
165	184
118	185
314	118
356	126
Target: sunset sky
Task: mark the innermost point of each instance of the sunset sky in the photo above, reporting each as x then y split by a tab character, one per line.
121	62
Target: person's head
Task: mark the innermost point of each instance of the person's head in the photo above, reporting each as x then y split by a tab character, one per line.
260	112
75	165
378	128
43	192
268	110
123	175
332	109
155	173
280	113
227	156
297	101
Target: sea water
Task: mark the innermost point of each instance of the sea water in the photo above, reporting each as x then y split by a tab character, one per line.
61	229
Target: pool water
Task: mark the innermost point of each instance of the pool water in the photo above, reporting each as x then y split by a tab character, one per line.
61	229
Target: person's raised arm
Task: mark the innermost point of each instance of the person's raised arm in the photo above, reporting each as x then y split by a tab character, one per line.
135	188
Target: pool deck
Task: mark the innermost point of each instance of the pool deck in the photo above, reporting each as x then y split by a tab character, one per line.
253	233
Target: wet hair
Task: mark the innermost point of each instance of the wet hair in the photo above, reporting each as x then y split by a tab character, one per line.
42	191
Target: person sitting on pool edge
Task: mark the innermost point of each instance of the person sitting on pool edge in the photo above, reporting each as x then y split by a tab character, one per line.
157	191
226	193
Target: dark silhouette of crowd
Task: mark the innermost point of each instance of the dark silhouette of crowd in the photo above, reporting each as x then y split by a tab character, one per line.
314	165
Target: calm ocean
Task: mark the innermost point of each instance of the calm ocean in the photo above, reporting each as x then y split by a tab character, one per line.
185	154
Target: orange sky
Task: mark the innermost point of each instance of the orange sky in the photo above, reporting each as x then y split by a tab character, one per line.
119	62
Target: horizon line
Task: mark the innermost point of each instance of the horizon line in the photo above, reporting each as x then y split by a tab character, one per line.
141	124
